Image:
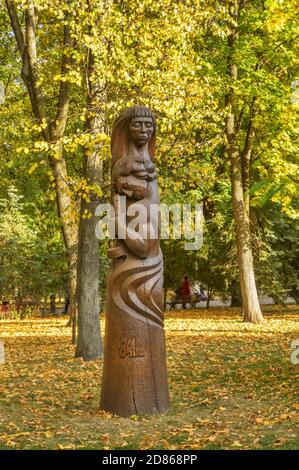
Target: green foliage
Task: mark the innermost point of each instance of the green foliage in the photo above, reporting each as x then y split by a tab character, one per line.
171	56
31	251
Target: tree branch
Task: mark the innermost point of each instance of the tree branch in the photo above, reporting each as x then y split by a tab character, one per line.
14	21
246	154
32	77
65	87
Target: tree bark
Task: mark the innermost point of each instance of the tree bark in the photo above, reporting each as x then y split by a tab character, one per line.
89	345
165	298
246	156
250	302
66	214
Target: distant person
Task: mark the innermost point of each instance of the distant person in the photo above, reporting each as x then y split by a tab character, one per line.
185	290
185	286
4	308
200	290
66	300
203	293
196	288
53	303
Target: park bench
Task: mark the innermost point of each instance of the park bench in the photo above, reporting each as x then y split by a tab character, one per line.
191	299
7	309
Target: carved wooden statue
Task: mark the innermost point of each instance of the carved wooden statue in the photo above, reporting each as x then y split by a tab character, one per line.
135	375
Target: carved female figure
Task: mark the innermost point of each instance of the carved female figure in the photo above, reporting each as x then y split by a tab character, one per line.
134	375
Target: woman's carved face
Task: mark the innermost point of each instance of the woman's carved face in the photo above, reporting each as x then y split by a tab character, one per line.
141	130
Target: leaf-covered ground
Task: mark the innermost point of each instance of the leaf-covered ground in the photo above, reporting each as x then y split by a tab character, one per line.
232	386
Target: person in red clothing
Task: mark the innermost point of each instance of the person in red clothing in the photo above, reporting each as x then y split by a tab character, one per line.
185	287
4	308
185	290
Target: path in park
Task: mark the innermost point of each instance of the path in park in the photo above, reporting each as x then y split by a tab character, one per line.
264	300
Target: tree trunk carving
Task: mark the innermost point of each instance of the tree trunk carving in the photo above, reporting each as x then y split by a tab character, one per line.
135	375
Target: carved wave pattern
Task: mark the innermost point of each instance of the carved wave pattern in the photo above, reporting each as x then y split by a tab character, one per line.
136	288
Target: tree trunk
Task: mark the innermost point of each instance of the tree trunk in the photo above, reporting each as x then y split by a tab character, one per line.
89	345
246	156
66	212
165	298
44	307
251	307
250	302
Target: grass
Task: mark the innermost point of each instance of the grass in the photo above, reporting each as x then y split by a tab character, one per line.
232	386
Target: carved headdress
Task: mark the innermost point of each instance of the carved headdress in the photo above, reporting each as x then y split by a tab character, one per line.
120	133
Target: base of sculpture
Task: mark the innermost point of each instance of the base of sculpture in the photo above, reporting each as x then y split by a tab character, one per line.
134	376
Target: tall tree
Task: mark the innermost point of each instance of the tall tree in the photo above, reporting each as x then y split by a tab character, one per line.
52	127
250	301
89	344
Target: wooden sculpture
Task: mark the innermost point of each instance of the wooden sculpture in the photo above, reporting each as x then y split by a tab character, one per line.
135	375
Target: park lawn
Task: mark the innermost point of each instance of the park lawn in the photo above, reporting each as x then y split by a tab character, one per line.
232	386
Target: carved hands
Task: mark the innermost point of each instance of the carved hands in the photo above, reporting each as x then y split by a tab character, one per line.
131	186
134	166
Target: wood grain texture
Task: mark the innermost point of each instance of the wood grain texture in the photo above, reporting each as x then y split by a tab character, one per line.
135	375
